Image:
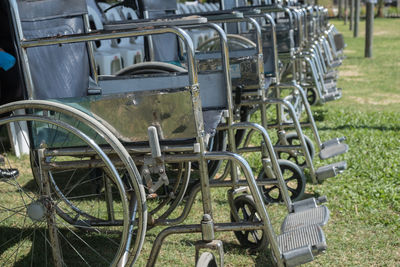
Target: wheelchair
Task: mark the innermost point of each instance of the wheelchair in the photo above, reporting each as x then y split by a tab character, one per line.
108	153
247	101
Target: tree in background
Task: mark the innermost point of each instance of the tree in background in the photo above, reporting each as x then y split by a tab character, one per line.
381	4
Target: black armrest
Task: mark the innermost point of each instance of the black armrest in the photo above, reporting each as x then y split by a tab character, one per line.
262	8
218	15
165	21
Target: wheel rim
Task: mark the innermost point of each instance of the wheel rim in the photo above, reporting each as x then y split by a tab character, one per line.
311	96
207	259
297	156
246	211
294	179
40	237
135	187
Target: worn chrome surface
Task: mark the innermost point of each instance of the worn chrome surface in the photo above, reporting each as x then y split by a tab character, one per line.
129	115
243	70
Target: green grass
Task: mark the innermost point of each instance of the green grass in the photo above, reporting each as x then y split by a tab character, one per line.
364	201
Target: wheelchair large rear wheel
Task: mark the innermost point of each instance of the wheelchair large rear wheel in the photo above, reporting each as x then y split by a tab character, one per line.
87	202
33	233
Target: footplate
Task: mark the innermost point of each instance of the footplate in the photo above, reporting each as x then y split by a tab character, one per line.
333	150
301	245
316	215
333	96
333	141
330	170
330	87
332	74
335	64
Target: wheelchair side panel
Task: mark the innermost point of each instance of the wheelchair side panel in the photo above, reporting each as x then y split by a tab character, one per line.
128	116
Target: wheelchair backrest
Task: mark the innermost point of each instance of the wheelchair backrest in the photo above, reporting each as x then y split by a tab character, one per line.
70	74
268	52
150	9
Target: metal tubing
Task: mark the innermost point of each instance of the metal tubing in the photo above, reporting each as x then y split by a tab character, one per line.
274	160
309	113
298	131
261	209
101	35
316	79
196	228
90	45
50	214
73	151
24	57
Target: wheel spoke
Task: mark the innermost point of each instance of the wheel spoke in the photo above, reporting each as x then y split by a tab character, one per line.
291	178
268	190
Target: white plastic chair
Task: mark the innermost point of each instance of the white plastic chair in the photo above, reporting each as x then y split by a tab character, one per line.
103	5
132	43
208	6
130	53
202	8
108	59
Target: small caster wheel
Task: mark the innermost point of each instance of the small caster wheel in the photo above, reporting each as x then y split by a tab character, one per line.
294	179
247	212
297	156
207	259
311	96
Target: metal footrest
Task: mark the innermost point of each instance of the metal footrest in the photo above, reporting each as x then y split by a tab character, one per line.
308	203
330	170
333	96
330	87
333	150
316	215
335	64
333	141
332	74
301	245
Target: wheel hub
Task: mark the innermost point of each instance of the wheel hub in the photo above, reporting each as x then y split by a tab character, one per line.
36	211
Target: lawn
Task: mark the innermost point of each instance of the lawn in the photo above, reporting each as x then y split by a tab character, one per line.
364	229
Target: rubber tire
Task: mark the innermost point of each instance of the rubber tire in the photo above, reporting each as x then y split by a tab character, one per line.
241	202
296	193
24	193
207	259
311	96
213	44
150	68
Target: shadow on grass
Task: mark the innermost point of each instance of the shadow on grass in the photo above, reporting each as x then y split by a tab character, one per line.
352	126
83	185
31	247
263	255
